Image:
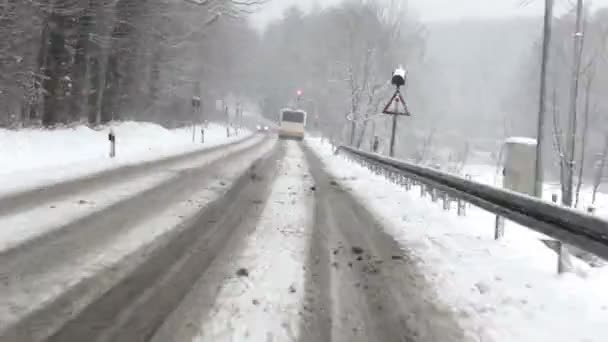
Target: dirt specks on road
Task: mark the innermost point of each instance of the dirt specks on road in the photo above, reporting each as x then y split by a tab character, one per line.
370	269
357	250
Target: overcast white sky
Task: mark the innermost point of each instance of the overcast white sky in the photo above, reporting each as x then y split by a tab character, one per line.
435	9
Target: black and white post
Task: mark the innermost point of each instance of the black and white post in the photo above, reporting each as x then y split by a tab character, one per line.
112	139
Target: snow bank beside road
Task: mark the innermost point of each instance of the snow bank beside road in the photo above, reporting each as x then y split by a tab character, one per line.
34	157
500	291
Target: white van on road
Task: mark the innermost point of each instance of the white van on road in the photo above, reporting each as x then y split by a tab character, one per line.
292	124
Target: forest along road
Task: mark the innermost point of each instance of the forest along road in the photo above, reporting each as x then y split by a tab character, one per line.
260	244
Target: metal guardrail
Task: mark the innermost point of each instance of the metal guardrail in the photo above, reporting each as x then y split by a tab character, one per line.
572	227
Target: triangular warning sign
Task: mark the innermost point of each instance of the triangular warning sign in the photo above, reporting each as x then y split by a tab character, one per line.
396	106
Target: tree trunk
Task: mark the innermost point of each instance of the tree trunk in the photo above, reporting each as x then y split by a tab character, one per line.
55	69
581	168
81	71
362	134
600	170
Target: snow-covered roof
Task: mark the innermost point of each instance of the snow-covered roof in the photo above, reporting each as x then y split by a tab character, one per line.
521	140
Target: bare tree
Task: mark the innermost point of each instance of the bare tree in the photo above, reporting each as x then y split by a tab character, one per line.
599	171
585	131
423	150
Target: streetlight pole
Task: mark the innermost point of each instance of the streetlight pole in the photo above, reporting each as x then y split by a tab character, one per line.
538	167
571	134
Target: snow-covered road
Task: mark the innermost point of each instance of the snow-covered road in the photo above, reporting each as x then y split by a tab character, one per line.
260	241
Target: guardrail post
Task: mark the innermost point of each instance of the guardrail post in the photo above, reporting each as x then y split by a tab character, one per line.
434	197
408	184
422	189
446	201
563	256
499	227
462	205
202	135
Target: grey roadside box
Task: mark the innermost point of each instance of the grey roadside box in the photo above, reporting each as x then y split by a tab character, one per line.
518	172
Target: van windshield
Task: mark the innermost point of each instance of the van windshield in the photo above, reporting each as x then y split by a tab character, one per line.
289	116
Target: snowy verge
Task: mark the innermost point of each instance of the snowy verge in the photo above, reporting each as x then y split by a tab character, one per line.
33	157
500	291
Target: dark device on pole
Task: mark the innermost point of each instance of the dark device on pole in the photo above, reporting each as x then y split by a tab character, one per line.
396	106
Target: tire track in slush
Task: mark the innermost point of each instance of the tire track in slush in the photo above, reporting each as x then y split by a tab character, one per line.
263	302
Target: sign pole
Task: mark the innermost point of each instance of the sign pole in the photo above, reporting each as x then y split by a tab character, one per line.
393	133
395	101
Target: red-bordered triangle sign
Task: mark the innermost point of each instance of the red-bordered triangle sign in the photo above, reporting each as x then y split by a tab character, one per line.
396	106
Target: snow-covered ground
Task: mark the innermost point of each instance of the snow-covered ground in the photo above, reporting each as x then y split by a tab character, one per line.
34	157
500	291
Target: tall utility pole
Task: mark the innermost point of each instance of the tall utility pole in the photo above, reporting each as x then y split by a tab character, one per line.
571	132
540	131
